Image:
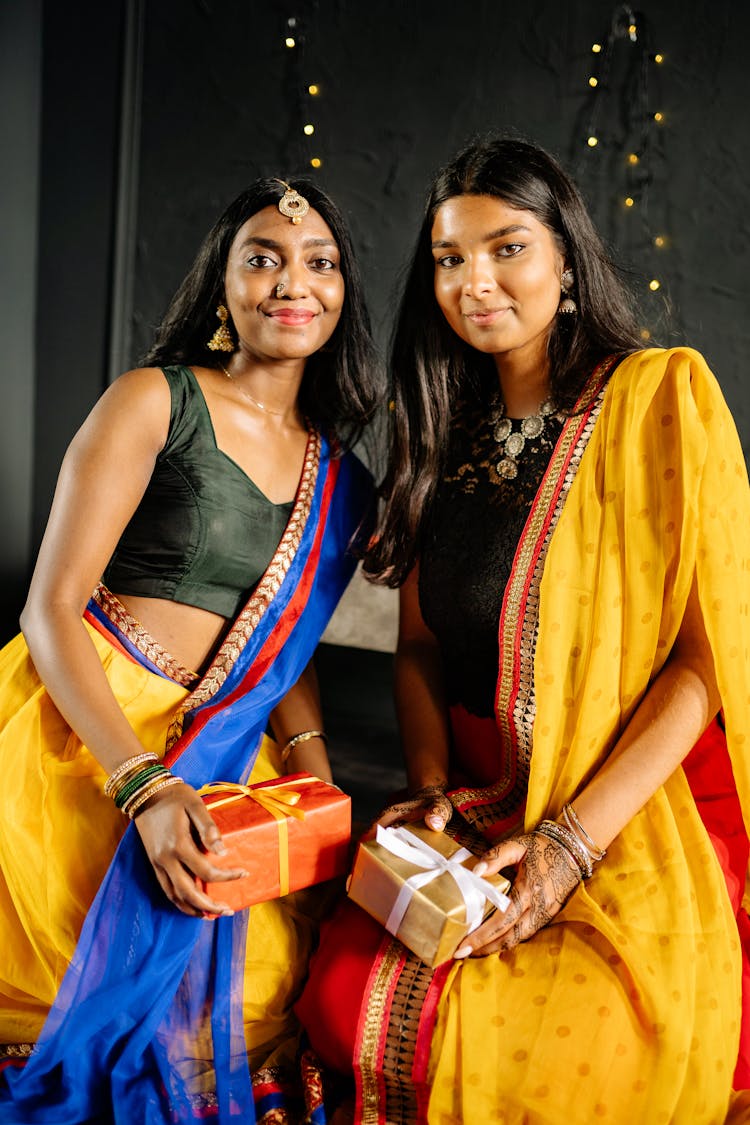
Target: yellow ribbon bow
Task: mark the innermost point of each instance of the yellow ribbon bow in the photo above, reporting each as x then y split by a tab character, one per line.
278	800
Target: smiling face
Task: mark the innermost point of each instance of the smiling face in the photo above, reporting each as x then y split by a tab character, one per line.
497	276
269	249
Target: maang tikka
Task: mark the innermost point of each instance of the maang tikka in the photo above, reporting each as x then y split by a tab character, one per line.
292	205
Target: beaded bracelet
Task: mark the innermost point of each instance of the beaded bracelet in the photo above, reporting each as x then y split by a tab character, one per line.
125	768
570	842
596	853
297	739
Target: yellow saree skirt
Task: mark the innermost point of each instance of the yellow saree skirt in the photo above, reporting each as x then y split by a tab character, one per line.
58	833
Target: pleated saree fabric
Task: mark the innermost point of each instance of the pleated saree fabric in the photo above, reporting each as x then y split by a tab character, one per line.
136	1010
628	1006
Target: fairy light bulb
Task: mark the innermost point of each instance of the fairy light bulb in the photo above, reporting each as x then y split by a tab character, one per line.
633	158
593	81
596	48
313	90
290	41
316	162
308	130
645	334
654	284
658	117
633	32
592	142
658	58
629	201
660	241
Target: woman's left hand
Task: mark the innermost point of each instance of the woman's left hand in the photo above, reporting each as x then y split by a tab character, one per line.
546	877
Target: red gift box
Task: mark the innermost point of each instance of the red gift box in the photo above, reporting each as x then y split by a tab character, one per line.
287	833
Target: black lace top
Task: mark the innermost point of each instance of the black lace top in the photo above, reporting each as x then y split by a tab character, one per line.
468	543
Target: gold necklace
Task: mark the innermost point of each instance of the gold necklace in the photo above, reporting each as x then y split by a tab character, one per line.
241	389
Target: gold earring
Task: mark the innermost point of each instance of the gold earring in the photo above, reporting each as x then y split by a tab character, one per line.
222	341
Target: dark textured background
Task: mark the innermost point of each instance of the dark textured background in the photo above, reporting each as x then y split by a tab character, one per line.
129	125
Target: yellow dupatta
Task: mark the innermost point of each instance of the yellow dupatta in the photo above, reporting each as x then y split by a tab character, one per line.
628	1006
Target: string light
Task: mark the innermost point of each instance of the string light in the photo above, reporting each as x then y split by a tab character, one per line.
305	123
636	140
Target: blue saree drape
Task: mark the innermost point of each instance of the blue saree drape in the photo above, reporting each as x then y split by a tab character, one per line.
152	994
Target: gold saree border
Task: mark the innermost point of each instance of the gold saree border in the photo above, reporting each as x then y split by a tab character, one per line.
372	1031
250	617
139	636
515	699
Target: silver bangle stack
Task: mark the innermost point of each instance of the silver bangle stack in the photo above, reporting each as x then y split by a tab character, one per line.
574	838
596	854
570	843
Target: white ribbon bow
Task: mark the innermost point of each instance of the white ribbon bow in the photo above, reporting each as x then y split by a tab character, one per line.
475	890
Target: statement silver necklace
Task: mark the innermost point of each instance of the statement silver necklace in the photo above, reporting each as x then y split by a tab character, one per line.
513	441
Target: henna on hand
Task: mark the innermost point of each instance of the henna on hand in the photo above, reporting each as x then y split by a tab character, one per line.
430	803
551	875
546	877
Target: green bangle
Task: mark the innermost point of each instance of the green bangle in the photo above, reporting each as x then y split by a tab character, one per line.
137	782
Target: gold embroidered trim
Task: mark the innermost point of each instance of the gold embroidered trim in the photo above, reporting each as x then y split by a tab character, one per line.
516	729
15	1050
132	629
264	593
375	1017
524	710
409	998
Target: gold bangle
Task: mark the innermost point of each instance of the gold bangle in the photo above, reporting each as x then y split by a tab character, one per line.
125	768
304	736
143	795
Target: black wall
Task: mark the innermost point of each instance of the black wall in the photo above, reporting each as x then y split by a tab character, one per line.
219	99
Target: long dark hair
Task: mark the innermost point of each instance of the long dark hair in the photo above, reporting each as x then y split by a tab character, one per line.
341	386
431	368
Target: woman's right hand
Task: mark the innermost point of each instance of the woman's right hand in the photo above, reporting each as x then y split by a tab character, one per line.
430	803
169	825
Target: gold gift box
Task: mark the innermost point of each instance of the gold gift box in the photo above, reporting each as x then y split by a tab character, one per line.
435	922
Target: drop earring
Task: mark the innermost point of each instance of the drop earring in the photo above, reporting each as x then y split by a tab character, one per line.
567	306
222	341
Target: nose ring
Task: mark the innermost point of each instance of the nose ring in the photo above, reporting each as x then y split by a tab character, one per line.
280	288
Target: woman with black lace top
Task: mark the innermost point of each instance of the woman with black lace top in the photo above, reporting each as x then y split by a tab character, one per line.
567	519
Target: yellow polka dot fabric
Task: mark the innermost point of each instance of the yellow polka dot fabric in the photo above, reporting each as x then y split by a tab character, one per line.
627	1008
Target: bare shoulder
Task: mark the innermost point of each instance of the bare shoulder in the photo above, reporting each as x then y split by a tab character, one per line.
137	405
